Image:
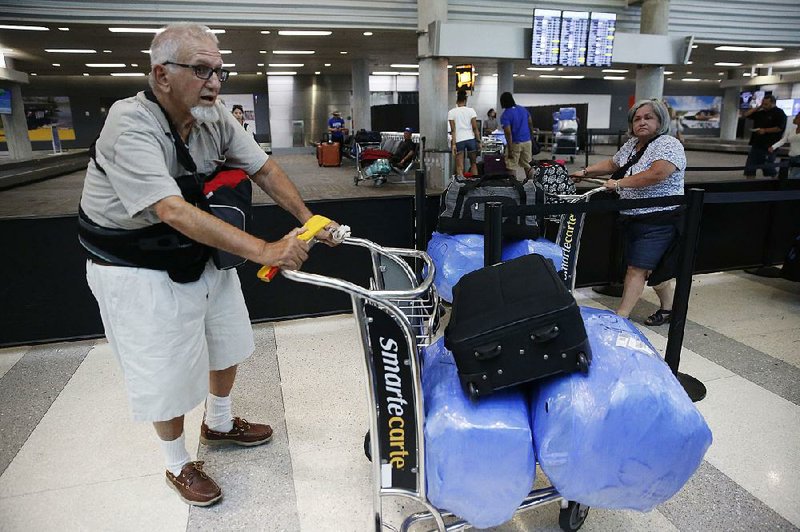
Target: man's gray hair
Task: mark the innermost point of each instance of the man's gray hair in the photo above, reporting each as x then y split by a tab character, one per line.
660	111
168	43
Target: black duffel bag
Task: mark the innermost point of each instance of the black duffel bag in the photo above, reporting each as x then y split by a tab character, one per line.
463	205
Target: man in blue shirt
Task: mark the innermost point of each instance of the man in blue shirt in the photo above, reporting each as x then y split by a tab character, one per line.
336	128
517	125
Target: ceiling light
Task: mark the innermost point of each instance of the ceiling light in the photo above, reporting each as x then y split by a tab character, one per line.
614	78
146	30
260	64
233	73
720	73
615	70
494	75
145	51
367	34
34	74
327	64
259	73
281	73
543	69
127	74
134	65
109	51
388	73
515	75
694	47
689	72
746	74
766	49
225	52
343	53
25	28
64	29
722	63
403	65
317	72
300	33
69	51
56	64
290	65
265	32
668	72
449	66
412	74
691	79
85	73
689	62
223	64
106	65
560	76
292	52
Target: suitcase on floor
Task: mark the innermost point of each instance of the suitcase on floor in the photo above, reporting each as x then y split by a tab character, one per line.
494	163
329	154
514	322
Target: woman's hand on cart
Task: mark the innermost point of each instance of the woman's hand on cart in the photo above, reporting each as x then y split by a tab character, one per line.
291	251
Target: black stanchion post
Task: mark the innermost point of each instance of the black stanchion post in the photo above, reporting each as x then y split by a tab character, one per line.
492	233
683	286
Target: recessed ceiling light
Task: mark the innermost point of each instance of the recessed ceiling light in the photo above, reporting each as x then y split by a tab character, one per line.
229	64
494	75
614	78
412	74
327	64
694	47
23	28
233	73
260	64
615	70
403	65
449	66
85	73
265	32
127	74
34	74
387	73
147	30
691	79
689	62
225	52
281	73
367	34
722	63
689	72
70	51
64	29
106	65
56	64
293	52
300	33
343	53
134	65
289	65
259	73
668	72
765	49
544	69
317	72
559	76
746	74
145	51
515	75
109	51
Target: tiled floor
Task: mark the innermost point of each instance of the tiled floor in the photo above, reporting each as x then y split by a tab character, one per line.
71	460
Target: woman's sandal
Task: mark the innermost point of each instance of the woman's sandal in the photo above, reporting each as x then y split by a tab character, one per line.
659	317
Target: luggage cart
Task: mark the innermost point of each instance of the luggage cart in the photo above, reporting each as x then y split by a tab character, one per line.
397	315
565	133
366	155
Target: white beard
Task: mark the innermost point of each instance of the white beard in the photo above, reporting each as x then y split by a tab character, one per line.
204	114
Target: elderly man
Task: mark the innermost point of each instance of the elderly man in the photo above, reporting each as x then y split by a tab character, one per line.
178	325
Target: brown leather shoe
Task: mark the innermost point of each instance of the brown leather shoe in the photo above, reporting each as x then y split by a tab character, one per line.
194	486
242	433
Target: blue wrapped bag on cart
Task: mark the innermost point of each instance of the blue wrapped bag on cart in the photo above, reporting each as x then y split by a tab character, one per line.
625	436
457	255
478	456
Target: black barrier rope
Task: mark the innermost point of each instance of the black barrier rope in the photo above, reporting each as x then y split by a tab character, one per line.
694	201
777	165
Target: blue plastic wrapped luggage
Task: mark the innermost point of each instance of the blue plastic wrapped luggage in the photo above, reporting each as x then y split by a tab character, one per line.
456	255
479	456
625	436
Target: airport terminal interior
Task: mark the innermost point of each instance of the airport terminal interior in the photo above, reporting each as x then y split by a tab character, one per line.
71	458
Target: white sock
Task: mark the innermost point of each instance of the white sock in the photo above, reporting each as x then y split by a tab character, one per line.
175	454
218	413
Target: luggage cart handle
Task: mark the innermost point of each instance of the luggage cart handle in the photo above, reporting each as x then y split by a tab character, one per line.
352	288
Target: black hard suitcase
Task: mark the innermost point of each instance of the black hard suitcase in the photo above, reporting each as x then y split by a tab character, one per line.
514	322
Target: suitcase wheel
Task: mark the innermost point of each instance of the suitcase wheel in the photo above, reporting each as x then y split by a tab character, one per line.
583	363
573	516
319	162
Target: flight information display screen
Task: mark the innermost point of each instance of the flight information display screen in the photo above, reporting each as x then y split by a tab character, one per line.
546	37
600	47
574	34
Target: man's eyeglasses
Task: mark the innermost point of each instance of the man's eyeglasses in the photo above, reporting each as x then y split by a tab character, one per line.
204	72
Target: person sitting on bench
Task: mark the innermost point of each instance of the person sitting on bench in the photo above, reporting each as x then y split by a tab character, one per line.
405	152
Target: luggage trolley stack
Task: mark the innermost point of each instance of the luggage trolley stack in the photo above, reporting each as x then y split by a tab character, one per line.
397	315
565	133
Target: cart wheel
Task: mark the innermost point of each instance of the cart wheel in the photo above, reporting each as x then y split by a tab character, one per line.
355	181
473	392
571	159
583	363
367	446
573	516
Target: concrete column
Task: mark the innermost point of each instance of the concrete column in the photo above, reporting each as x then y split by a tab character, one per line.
362	119
654	20
505	81
433	78
729	115
16	127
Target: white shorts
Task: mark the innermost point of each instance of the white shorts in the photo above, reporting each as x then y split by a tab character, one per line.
167	335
